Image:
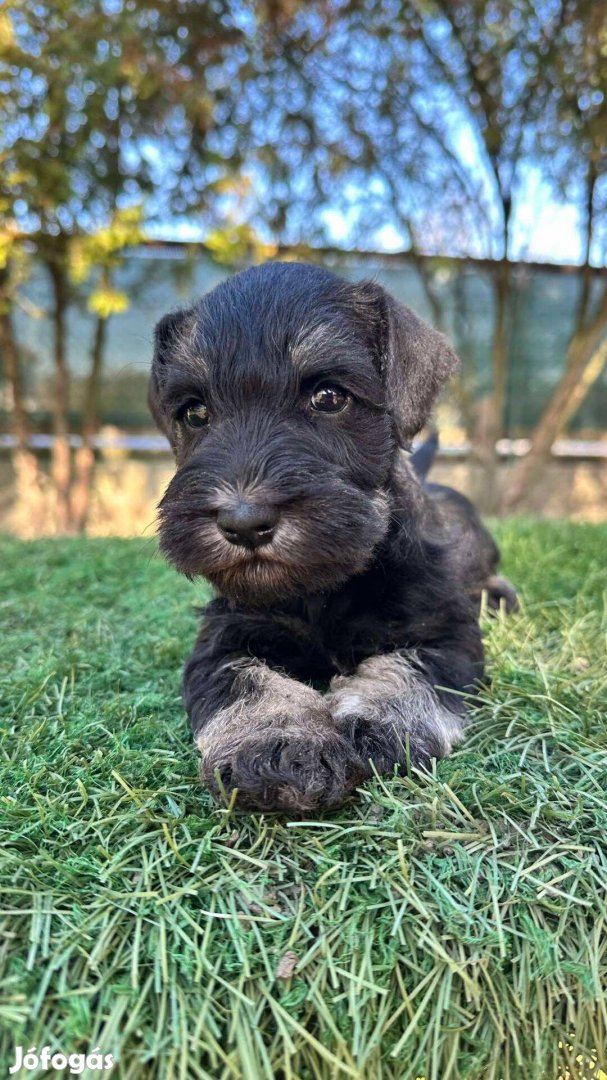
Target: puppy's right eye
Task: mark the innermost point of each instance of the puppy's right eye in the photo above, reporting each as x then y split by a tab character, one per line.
195	414
329	399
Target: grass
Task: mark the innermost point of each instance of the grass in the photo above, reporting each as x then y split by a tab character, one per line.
451	925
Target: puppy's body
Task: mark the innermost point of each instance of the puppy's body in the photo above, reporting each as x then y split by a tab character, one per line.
336	564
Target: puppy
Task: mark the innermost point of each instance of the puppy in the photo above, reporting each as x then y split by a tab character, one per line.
344	635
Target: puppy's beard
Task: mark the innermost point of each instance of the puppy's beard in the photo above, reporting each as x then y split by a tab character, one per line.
309	553
260	580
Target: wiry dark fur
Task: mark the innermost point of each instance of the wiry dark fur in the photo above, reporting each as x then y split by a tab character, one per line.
372	582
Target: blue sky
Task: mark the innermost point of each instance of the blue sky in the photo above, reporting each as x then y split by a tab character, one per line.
544	230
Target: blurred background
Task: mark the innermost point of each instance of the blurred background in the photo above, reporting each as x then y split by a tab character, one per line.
455	150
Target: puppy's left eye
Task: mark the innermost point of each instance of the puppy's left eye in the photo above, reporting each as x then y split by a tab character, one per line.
329	399
195	414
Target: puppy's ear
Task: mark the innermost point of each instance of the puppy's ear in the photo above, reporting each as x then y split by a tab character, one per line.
414	361
168	334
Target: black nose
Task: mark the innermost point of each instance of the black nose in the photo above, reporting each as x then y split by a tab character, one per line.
247	524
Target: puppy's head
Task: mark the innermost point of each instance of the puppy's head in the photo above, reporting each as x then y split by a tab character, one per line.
285	393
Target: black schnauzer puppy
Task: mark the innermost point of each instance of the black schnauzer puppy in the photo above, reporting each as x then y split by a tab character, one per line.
290	398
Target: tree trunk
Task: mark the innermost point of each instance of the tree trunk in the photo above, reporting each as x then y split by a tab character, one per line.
8	347
25	463
61	468
586	272
491	412
500	346
586	359
85	455
424	269
463	384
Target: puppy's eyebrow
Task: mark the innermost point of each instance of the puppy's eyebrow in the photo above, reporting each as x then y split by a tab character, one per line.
326	354
320	343
182	383
191	363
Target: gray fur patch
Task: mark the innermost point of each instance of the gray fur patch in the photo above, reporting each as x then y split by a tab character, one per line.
266	699
390	690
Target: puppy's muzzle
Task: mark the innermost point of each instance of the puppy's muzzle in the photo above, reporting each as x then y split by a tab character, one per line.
248	524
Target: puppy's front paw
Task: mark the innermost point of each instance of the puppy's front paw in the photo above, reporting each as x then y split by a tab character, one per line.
285	769
381	745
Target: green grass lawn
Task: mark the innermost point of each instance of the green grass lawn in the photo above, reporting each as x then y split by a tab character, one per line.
446	926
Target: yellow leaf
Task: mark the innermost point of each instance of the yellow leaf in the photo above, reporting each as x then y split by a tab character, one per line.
105	302
7	35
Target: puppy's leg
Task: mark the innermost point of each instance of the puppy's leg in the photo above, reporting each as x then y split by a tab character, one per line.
501	591
389	708
267	735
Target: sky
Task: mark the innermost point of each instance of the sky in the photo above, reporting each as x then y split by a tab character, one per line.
544	229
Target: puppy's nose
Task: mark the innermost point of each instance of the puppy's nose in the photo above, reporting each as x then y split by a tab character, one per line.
247	524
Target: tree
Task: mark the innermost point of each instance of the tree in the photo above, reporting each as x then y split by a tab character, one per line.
13	267
99	255
574	140
102	109
492	60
